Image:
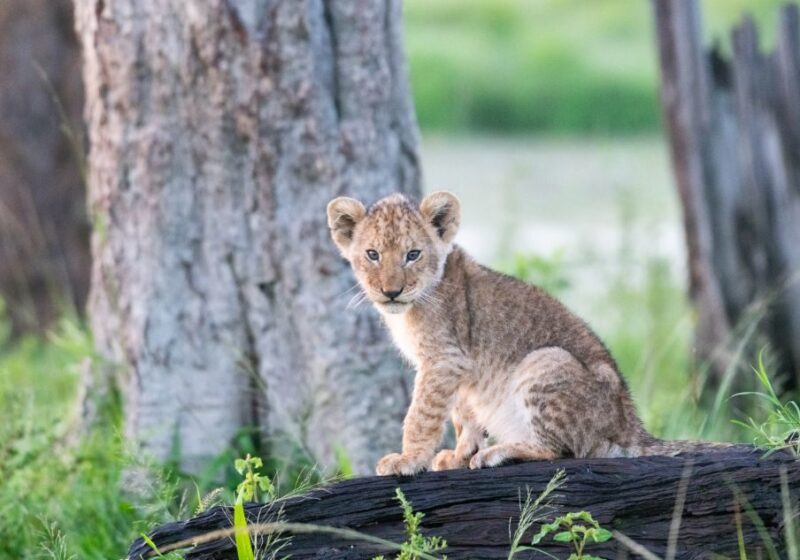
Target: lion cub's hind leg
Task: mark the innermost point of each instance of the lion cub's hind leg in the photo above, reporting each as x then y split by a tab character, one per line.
574	411
469	439
543	391
503	452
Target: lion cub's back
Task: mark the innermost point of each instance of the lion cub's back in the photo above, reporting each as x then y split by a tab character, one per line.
510	318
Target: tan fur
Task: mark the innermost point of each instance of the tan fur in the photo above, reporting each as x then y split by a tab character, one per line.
502	357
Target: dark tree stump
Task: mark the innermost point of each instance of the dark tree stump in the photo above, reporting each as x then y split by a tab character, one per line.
475	511
733	125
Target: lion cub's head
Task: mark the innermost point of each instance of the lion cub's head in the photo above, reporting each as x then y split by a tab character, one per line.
397	250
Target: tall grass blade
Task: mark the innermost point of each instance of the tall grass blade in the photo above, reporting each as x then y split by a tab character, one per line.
788	518
677	512
634	547
244	549
737	518
756	520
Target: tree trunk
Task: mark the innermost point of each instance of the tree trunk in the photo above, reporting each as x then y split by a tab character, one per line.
44	233
734	131
219	131
477	511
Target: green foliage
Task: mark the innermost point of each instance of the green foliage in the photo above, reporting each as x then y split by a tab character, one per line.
253	481
533	511
417	545
781	427
61	495
565	66
569	529
247	491
416	542
249	546
54	543
546	272
345	465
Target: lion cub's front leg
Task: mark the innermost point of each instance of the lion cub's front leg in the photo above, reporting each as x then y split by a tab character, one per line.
434	389
469	440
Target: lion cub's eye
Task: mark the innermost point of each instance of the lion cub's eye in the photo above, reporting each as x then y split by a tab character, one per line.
413	255
373	255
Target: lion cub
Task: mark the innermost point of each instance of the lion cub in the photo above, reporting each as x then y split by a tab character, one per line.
502	357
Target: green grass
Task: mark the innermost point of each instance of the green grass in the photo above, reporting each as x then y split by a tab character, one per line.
558	66
60	499
72	495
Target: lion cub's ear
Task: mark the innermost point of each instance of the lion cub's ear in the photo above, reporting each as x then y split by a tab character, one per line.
443	211
343	215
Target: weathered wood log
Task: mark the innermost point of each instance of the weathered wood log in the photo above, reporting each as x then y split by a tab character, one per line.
476	511
733	125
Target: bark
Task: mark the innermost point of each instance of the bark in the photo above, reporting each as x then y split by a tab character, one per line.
44	234
476	511
734	131
219	131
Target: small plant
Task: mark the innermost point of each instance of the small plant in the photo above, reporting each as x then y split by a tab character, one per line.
209	500
417	545
533	511
253	481
247	491
578	534
781	429
54	543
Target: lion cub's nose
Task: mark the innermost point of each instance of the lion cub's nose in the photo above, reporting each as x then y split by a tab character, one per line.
391	294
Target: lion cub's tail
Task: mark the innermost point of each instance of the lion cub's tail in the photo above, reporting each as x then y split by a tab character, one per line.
655	446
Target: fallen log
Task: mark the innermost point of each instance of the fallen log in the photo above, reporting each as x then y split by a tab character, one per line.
476	511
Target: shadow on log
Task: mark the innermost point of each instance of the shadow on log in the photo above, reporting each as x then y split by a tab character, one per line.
476	511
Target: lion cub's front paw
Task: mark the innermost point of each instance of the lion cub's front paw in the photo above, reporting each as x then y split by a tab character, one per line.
446	459
397	464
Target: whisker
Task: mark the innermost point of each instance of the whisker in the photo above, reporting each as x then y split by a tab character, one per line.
360	301
435	304
356	300
348	290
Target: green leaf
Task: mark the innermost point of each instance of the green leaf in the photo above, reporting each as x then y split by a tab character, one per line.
266	485
244	549
240	465
344	463
545	529
601	535
592	557
563	536
585	516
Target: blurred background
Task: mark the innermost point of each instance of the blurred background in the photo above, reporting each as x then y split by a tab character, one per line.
542	116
